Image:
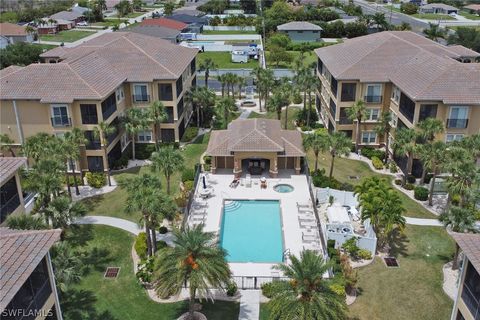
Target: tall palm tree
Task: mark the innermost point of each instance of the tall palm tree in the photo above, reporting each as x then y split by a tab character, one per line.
433	158
383	128
6	144
256	73
67	265
165	208
39	146
461	181
430	127
196	259
434	32
157	115
207	65
201	98
307	295
168	161
458	220
62	212
242	83
405	144
339	145
266	82
380	21
357	112
311	84
101	132
72	141
223	79
317	142
226	106
279	100
136	120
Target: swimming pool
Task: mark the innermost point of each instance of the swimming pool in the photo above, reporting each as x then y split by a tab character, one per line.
252	231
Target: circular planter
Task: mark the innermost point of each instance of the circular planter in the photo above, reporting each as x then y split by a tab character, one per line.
197	316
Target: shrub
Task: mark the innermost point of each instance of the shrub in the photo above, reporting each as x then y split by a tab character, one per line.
408	186
371	152
180	200
330	243
377	163
338	289
231	289
428	177
144	151
408	8
145	270
207	159
393	167
141	245
364	254
398	182
188	185
456	199
420	193
411	179
163	230
189	134
121	163
351	247
270	288
302	117
320	180
188	174
71	180
96	179
161	244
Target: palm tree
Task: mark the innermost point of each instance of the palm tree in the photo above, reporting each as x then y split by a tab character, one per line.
256	73
311	84
317	142
67	266
165	208
101	132
201	98
241	82
383	128
379	20
461	181
72	140
405	144
226	106
39	146
433	158
458	220
26	222
434	32
307	295
277	102
6	144
266	83
223	79
429	128
157	115
195	259
136	120
62	212
143	196
45	178
168	160
357	113
207	65
339	145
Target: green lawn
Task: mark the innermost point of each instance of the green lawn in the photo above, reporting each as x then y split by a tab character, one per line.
473	27
468	15
389	7
433	16
221	32
292	115
45	47
109	22
113	203
308	59
122	298
131	15
224	60
67	36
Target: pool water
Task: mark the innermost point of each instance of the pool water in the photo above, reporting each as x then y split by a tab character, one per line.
283	188
252	231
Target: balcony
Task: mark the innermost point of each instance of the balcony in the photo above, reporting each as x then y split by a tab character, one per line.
93	145
373	99
457	123
9	206
345	120
61	121
141	98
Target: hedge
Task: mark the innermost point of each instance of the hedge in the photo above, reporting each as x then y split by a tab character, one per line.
188	174
377	163
96	179
370	152
408	186
141	245
420	193
144	151
320	180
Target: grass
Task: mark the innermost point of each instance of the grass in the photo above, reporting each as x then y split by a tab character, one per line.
224	60
393	8
109	22
131	15
122	298
292	115
45	47
67	36
469	15
433	16
473	27
113	203
308	59
221	32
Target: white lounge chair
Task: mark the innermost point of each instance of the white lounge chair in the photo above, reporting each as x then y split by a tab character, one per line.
248	181
304	205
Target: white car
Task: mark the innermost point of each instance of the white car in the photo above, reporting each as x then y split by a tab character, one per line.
82	23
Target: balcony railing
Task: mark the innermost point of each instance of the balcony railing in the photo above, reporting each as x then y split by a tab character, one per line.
141	98
345	120
457	123
373	99
93	145
60	121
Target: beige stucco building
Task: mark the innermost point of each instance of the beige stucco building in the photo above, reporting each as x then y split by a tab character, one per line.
256	146
404	73
97	81
12	201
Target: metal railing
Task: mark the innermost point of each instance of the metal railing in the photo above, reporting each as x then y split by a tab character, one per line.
60	121
373	99
345	120
191	196
255	282
141	98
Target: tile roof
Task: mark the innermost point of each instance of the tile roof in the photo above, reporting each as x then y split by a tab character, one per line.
9	70
255	135
298	25
421	68
8	166
67	15
164	22
156	31
475	7
470	245
188	19
189	11
11	29
438	5
22	251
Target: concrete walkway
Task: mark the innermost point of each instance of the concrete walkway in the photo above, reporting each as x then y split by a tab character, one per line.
249	305
423	222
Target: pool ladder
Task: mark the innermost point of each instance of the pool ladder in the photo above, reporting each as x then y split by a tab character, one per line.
286	253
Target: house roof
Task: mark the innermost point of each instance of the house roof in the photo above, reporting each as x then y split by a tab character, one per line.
8	166
475	7
156	31
298	26
470	245
66	15
189	11
95	68
257	135
22	251
188	19
11	29
164	22
438	5
421	68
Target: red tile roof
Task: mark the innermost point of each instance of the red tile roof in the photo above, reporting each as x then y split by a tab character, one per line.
11	29
9	165
164	22
470	245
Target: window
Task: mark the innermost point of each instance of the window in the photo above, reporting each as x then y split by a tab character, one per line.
369	137
93	143
319	66
471	290
140	93
89	113
119	94
374	93
450	137
60	116
179	85
407	107
334	86
165	91
144	136
396	94
169	112
427	111
394	120
348	91
71	166
109	106
458	118
344	119
167	135
372	114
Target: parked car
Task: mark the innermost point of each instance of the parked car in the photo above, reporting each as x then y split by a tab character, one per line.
82	23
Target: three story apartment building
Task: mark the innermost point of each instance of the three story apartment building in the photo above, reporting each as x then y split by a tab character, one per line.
97	81
404	73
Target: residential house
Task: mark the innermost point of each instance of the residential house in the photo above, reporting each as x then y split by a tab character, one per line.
255	146
438	8
191	11
467	301
27	281
97	81
11	195
166	23
172	35
473	8
73	16
195	23
14	33
301	31
404	73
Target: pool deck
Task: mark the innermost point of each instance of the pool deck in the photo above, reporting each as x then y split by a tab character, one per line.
292	234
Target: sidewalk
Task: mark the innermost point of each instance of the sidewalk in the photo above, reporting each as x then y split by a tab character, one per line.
249	305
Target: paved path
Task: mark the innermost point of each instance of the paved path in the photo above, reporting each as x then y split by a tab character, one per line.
423	222
249	305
